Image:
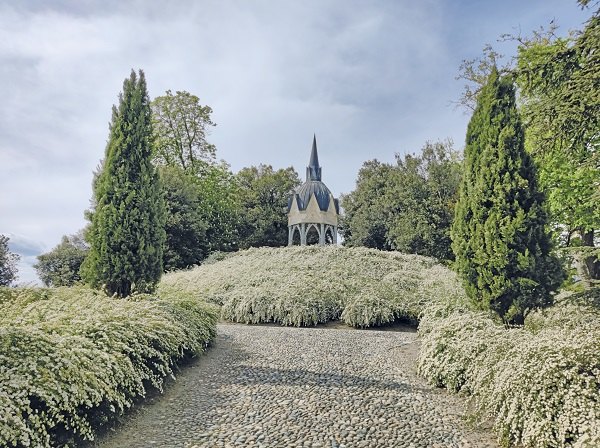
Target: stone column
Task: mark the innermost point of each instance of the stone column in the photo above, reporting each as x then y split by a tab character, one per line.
303	234
322	235
290	235
334	234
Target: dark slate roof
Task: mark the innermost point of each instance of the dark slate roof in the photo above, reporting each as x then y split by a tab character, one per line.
312	185
305	192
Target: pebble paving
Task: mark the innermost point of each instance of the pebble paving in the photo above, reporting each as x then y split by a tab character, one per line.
267	386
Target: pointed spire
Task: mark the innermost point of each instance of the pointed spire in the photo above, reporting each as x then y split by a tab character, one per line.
314	157
313	170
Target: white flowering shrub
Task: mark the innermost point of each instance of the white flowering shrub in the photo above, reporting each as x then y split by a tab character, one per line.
72	358
310	285
540	383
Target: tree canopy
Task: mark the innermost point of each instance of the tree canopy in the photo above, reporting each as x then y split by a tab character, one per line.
8	263
181	125
186	244
61	265
408	206
559	79
264	195
205	214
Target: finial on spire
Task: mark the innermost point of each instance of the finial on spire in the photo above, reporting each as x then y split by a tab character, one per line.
313	170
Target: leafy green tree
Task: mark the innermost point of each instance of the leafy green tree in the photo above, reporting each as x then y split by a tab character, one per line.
186	243
60	266
8	263
219	205
408	206
127	234
264	195
181	125
559	80
427	193
366	219
499	235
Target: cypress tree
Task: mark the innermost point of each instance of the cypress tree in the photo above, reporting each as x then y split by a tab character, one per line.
499	234
127	233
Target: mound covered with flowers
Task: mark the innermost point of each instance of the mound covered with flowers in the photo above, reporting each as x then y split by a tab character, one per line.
310	285
539	384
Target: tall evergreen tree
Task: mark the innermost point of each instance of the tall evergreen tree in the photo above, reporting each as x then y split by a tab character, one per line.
127	232
499	235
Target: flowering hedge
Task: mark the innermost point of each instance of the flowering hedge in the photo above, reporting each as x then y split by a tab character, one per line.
72	358
310	285
540	384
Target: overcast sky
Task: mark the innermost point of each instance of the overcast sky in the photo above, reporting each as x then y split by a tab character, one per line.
370	78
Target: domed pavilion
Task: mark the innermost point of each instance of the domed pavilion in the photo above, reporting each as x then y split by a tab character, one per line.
312	209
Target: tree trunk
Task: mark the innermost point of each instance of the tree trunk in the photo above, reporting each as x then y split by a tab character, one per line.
592	264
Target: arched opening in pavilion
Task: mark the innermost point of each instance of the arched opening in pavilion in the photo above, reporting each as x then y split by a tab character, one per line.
312	235
329	235
296	239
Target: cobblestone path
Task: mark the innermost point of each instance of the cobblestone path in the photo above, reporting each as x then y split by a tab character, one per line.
267	386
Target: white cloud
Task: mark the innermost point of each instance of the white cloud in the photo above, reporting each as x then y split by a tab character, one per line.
370	78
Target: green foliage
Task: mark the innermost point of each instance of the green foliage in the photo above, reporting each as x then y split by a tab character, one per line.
426	209
180	128
186	243
499	232
572	187
71	359
560	79
408	206
60	266
475	72
264	195
127	233
8	263
219	205
366	220
311	285
560	84
538	383
181	125
202	213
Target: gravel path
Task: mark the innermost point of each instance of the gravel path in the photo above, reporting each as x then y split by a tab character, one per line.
269	386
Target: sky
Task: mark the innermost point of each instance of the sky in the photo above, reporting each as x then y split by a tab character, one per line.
369	78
